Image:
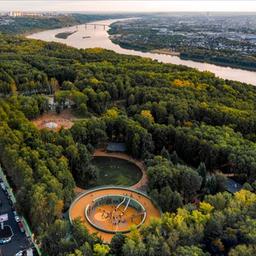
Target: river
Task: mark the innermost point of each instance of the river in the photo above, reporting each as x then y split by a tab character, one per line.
90	37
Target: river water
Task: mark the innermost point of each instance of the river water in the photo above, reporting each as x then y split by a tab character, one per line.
87	36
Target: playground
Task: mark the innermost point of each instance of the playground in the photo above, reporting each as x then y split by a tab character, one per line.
108	210
54	121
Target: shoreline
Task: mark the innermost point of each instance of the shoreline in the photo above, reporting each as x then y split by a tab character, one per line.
166	52
180	55
103	40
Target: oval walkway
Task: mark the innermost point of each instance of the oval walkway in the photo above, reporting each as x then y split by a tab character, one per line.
140	185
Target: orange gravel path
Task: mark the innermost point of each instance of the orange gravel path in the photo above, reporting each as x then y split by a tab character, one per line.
77	209
64	119
107	223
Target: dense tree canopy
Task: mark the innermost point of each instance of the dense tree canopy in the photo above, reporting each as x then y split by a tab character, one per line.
189	127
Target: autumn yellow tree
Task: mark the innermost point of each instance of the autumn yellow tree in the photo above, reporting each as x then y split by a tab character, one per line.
147	114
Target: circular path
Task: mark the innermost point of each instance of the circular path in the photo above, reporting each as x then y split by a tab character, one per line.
140	185
78	207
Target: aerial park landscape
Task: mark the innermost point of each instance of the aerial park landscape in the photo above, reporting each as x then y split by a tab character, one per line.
112	208
127	134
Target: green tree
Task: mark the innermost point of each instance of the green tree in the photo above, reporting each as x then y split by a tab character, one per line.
101	249
117	243
202	172
52	242
189	183
190	250
243	250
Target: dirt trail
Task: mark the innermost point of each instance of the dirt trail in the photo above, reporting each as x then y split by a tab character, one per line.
65	119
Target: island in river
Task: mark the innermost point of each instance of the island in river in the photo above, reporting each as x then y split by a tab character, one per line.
99	37
65	35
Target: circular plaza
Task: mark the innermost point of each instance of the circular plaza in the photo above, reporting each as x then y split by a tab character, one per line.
108	210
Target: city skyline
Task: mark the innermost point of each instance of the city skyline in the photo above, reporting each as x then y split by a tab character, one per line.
129	6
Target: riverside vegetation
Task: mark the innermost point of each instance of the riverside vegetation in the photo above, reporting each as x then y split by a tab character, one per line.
226	39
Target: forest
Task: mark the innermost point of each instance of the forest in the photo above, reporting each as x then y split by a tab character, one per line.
191	129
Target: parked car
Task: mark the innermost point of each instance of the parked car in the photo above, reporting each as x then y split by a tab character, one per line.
21	227
5	240
21	253
16	216
3	186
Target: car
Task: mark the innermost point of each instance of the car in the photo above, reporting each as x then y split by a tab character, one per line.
5	240
21	227
3	186
20	253
16	216
27	252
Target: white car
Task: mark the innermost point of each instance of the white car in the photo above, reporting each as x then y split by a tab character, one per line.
20	253
3	186
5	240
16	216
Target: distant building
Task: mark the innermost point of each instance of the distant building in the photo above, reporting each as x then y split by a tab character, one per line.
232	186
15	14
66	103
3	13
116	147
23	14
51	103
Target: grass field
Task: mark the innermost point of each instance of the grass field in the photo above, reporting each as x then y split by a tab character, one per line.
114	171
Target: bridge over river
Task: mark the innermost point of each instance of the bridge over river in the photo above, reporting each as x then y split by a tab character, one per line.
94	25
94	34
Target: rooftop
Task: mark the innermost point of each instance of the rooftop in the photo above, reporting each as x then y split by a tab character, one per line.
232	186
116	147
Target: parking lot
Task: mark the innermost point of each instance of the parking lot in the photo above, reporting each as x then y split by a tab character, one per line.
19	240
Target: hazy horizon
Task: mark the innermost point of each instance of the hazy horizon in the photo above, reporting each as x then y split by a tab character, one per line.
129	6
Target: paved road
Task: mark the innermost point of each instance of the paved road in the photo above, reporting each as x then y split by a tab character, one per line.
19	240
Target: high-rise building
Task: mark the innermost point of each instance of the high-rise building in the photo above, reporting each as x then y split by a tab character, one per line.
21	14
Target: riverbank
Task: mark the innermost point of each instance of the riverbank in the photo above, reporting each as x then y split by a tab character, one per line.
99	38
166	52
212	60
224	62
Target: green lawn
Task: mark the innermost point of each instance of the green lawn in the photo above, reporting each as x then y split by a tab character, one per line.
114	171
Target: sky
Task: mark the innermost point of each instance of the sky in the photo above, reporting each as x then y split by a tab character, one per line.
129	6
